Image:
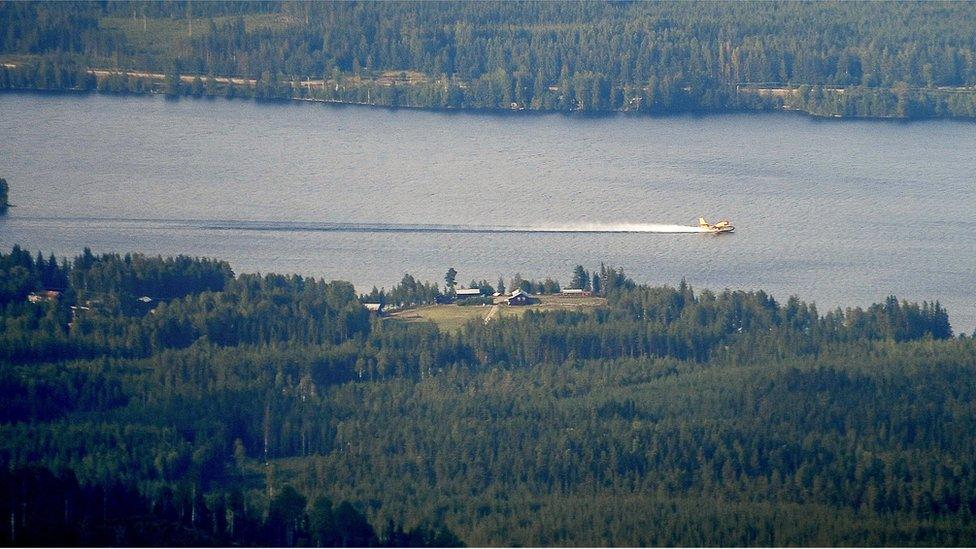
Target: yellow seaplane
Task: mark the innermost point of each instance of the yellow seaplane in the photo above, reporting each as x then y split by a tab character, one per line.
723	226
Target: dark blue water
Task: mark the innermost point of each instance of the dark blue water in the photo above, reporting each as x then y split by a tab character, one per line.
840	213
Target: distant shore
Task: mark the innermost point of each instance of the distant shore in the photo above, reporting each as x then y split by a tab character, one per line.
374	91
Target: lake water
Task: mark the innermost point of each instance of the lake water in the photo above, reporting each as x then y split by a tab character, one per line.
839	213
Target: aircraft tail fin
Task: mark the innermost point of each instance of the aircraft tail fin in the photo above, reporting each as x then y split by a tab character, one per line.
702	222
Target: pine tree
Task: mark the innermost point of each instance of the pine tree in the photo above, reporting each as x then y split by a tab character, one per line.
581	279
450	280
4	191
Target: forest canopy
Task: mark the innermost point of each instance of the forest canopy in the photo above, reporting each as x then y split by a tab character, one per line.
868	59
171	399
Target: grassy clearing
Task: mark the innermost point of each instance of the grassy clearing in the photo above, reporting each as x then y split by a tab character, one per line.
447	317
568	302
453	317
159	36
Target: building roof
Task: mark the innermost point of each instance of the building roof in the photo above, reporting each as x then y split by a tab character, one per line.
373	306
517	293
46	295
572	291
468	291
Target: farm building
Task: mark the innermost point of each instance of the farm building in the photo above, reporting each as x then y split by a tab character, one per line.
519	297
465	293
575	292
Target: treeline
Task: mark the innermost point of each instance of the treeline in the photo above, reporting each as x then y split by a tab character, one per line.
23	274
49	509
910	59
690	417
105	301
872	102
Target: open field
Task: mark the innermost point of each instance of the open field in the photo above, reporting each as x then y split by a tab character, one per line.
447	317
566	302
453	317
159	35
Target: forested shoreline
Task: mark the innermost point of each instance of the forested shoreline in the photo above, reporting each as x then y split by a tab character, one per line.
894	60
171	399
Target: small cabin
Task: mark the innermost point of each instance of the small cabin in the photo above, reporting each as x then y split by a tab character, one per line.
376	308
519	297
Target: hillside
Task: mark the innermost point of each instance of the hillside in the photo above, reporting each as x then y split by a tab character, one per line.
666	416
838	59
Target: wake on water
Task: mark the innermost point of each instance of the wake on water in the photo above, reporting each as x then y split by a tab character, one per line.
430	228
308	226
621	228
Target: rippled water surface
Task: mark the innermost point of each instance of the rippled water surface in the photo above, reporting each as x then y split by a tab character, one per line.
840	213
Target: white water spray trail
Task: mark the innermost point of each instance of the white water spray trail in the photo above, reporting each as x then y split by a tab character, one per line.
434	228
313	226
620	228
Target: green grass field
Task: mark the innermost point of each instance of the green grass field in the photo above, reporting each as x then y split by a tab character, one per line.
158	36
447	317
453	317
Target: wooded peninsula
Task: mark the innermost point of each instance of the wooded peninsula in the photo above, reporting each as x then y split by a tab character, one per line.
833	59
171	401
